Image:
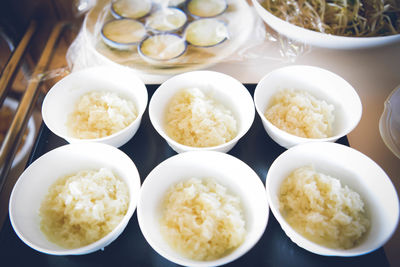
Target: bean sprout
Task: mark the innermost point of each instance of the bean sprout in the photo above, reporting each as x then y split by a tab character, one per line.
360	18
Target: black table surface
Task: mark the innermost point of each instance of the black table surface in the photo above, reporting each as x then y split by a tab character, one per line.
147	149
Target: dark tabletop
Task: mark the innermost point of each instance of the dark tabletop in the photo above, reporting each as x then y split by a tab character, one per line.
147	149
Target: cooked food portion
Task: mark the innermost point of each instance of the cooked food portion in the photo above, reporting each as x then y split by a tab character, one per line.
321	209
300	113
206	8
195	119
206	32
202	220
359	18
133	9
99	114
124	31
162	47
166	19
80	209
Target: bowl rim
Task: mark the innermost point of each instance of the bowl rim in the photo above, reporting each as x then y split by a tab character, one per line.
102	242
140	112
159	128
198	263
319	39
293	234
299	139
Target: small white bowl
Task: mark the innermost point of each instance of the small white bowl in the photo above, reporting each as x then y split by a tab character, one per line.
227	170
206	8
353	169
60	100
225	89
320	83
207	32
170	19
162	48
33	184
134	9
27	144
319	39
123	34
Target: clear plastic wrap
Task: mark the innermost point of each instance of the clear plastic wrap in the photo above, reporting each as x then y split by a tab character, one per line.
248	39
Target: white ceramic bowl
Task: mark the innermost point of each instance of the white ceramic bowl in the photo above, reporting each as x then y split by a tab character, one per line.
320	83
27	144
321	39
225	89
162	48
206	32
228	171
170	19
389	123
60	100
134	9
206	9
33	184
353	169
112	36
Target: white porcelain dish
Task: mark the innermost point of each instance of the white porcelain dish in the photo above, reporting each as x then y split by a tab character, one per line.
320	83
321	39
96	52
33	184
389	123
228	171
353	169
27	144
60	100
225	89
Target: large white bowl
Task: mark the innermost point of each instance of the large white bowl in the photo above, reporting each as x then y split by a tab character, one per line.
353	169
27	144
320	83
321	39
33	185
60	100
227	170
225	89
